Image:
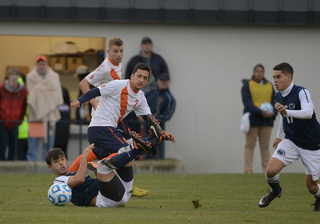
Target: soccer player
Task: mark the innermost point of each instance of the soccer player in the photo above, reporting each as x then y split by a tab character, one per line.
119	98
114	182
301	132
109	70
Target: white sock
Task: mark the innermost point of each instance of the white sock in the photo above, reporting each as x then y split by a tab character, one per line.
317	195
103	169
274	179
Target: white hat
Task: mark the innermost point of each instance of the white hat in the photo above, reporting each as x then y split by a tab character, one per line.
82	69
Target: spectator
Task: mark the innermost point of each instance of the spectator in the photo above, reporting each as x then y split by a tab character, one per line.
254	92
162	105
23	129
63	126
45	96
158	66
13	103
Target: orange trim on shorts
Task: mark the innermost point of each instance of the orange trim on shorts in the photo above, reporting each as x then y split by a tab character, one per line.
115	135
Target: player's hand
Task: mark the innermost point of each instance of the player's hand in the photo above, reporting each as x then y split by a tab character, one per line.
87	150
170	137
276	142
75	104
279	107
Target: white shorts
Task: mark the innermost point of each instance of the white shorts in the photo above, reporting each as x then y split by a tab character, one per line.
102	201
288	152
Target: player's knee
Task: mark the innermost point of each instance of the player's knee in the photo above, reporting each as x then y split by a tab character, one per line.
312	188
271	172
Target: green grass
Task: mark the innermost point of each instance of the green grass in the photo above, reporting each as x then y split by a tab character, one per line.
224	198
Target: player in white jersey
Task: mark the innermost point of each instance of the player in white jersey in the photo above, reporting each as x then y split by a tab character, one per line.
301	130
119	98
109	70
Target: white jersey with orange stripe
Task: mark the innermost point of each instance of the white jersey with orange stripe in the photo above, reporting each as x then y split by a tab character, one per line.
106	72
118	99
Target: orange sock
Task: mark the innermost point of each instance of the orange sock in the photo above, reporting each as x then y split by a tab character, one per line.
75	165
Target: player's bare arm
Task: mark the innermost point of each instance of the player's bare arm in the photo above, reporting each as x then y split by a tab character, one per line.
279	107
85	87
80	176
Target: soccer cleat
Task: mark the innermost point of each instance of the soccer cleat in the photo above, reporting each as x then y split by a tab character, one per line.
142	145
316	205
267	199
139	192
156	129
92	167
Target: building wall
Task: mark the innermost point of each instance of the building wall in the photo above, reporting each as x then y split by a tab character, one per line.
206	63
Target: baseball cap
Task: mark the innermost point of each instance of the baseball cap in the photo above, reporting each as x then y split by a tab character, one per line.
82	70
164	76
41	58
145	40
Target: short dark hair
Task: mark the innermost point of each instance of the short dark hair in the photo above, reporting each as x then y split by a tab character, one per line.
115	41
54	154
142	66
285	68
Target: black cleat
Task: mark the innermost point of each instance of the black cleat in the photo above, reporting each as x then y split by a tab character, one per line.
142	145
267	199
316	205
156	129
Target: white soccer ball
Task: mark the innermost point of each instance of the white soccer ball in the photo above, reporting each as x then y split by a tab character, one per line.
59	194
266	107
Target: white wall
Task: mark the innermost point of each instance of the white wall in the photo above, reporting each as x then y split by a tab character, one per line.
207	63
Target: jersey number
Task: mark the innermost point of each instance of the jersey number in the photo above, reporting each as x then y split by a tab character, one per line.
289	120
136	103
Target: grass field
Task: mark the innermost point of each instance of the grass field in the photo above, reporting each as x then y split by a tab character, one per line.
224	198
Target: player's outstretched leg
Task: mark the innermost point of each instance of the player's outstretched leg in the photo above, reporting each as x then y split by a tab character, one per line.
267	199
156	129
316	205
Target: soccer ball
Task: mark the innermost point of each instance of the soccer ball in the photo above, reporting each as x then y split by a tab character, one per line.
59	194
266	107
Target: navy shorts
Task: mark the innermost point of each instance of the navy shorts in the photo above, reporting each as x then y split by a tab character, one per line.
107	140
124	128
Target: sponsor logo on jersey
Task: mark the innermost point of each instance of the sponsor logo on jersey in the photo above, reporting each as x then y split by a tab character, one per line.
292	106
91	77
281	152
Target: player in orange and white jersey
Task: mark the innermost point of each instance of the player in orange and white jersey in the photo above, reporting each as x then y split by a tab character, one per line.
110	69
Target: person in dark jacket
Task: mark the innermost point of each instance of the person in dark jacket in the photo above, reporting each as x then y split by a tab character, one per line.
158	66
162	105
13	104
155	61
254	92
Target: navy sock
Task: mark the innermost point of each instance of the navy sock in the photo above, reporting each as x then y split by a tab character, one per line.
275	185
122	159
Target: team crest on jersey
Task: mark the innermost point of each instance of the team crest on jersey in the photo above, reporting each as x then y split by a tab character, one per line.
281	152
292	106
